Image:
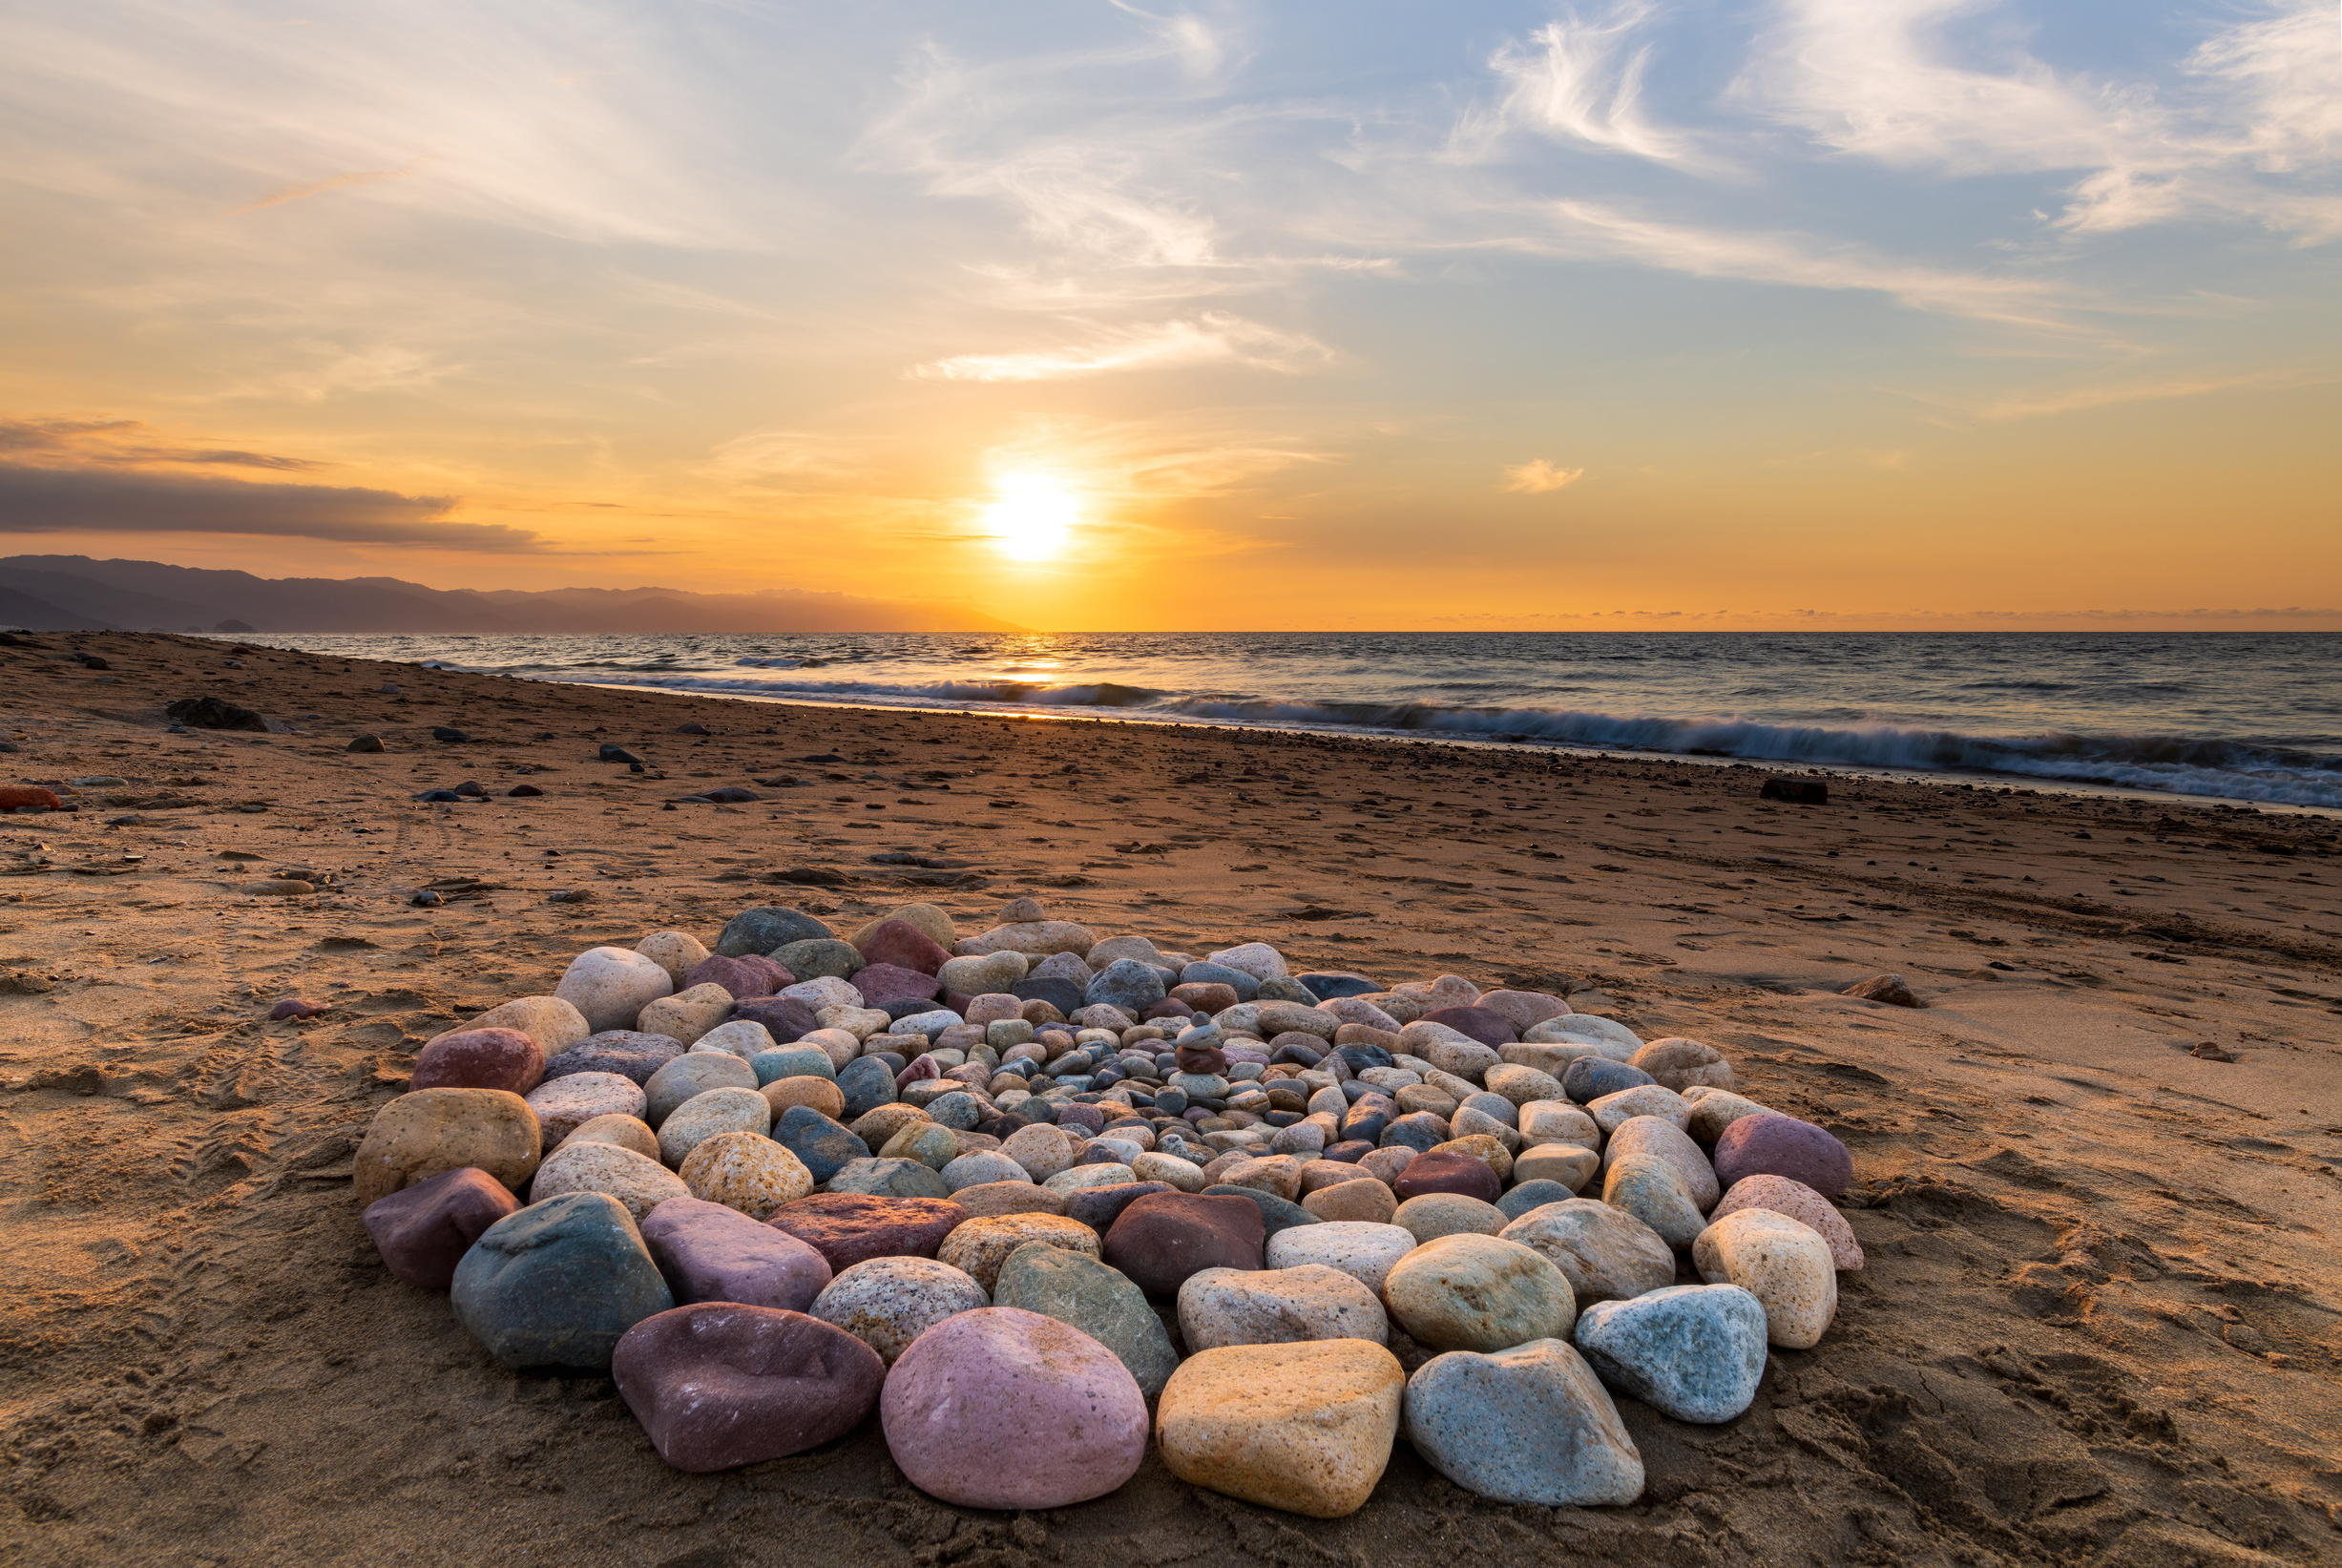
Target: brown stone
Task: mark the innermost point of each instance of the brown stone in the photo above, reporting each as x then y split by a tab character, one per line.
1161	1238
422	1231
480	1058
851	1227
418	1136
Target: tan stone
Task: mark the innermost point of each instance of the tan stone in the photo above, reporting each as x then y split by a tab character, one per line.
979	1247
1559	1122
678	953
418	1136
878	1125
1784	1264
1801	1203
1611	1111
1306	1428
1523	1085
1042	1149
1221	1307
1713	1110
1438	1214
1605	1253
1035	938
1329	1173
1184	1174
704	1116
988	1199
1680	1064
1365	1200
1466	1292
554	1024
811	1090
745	1171
1564	1162
639	1184
1483	1148
1277	1175
1659	1137
564	1105
625	1131
1422	1097
686	1015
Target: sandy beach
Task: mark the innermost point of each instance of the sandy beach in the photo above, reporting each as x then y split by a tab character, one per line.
2096	1172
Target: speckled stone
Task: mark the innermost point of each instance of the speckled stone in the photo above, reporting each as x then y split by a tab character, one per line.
1303	1428
745	1171
1363	1250
1005	1409
692	1074
1801	1203
718	1386
852	1227
1778	1145
705	1115
980	1247
1611	1111
889	1178
1605	1253
1365	1200
1095	1298
1692	1351
888	1303
1563	1164
1653	1191
1529	1425
1680	1064
566	1105
1438	1214
422	1134
1784	1264
610	987
637	1184
1469	1292
1659	1137
1277	1307
628	1053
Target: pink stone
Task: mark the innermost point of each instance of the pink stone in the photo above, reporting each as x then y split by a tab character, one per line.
884	983
422	1231
709	1252
1523	1010
719	1385
902	943
480	1058
745	978
1004	1409
1801	1203
1488	1027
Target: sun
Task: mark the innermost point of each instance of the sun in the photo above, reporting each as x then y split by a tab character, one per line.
1033	516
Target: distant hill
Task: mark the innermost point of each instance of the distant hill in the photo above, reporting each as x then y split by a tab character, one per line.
75	592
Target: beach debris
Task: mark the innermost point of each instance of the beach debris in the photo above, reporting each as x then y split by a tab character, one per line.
1892	989
447	733
1798	791
217	713
296	1007
367	742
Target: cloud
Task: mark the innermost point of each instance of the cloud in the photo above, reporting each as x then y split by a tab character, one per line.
1536	476
283	193
2076	399
105	441
54	500
1582	81
1213	338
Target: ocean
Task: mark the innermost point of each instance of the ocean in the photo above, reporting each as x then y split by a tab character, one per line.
2237	716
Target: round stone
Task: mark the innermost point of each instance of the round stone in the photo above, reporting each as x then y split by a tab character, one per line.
610	987
1448	1171
1094	1298
1364	1250
420	1134
1656	1135
1565	1166
1801	1203
1611	1111
559	1284
1784	1264
1678	1064
625	1131
817	1093
745	1171
551	1022
703	1116
721	1385
565	1104
1606	1254
480	1058
1005	1409
693	1074
969	1170
637	1184
1527	1424
1304	1428
424	1230
980	1248
1221	1307
1692	1351
1438	1214
1470	1292
628	1053
710	1253
688	1015
1653	1191
889	1178
1778	1145
888	1303
1161	1238
678	953
1365	1200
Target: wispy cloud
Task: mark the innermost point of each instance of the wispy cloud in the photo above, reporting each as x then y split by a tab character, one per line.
2074	400
1211	339
61	500
1538	475
283	193
110	442
1580	80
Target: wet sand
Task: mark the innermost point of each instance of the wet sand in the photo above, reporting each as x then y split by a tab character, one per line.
2099	1321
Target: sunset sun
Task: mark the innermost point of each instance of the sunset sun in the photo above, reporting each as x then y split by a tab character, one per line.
1031	517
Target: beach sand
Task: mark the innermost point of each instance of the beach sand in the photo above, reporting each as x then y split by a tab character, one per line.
2097	1324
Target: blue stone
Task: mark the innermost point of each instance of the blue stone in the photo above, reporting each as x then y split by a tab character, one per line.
1418	1130
1126	983
1530	1195
772	1066
868	1084
1062	995
767	927
1362	1056
1325	987
1590	1078
1245	987
823	1145
559	1284
1692	1351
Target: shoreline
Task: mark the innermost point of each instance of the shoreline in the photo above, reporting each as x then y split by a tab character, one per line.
2102	1310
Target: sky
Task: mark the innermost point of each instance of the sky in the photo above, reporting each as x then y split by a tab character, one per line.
1101	315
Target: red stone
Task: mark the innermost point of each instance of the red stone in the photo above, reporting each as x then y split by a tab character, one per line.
1161	1238
481	1058
424	1231
1780	1145
785	1018
718	1386
742	978
884	983
1446	1171
1482	1025
852	1227
13	797
1205	996
904	945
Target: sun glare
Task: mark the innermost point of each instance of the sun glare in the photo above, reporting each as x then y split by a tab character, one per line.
1031	519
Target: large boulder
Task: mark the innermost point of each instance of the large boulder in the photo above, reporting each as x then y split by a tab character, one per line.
1304	1428
559	1284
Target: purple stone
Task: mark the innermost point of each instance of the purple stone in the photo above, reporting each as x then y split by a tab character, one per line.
625	1051
1446	1172
1099	1208
785	1018
1780	1145
900	944
884	983
709	1252
1488	1028
422	1231
742	978
719	1385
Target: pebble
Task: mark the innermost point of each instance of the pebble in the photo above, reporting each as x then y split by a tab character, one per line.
1221	1307
718	1386
1692	1351
980	1247
678	953
1041	1150
567	1103
889	1178
1126	983
1033	938
625	1051
1244	985
424	1230
480	1058
1532	1194
1468	1291
559	1284
1276	1213
1361	1200
888	1303
1278	1175
819	956
688	1076
1106	1174
610	987
1656	1135
867	1084
707	1113
1532	1424
1563	1164
1095	1298
1801	1203
990	975
627	1132
767	927
686	1015
419	1134
1004	1409
926	1142
819	1144
1099	1208
991	1197
824	992
638	1183
792	1061
1161	1238
1611	1111
712	1252
1780	1145
852	1227
985	1165
902	945
1678	1064
1184	1175
551	1022
1307	1428
1785	1265
928	920
1523	1010
743	1170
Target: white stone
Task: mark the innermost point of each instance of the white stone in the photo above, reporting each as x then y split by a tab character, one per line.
824	990
1360	1248
611	986
1257	959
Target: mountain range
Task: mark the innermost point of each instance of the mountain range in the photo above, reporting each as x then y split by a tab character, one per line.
76	593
